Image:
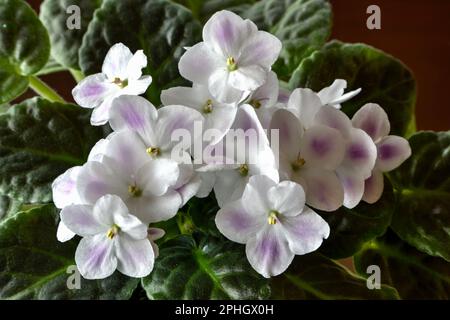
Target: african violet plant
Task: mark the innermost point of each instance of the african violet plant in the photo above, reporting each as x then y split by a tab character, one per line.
105	187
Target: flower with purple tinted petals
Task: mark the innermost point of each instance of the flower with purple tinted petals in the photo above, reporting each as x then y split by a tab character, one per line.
112	239
334	95
392	150
233	59
239	157
360	153
121	74
310	158
271	219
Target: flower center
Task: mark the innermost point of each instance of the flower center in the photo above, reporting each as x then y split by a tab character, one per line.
153	151
208	106
120	83
134	191
113	231
255	103
272	219
243	170
231	64
298	164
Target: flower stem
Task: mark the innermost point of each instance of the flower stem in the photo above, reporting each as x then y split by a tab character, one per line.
41	88
77	75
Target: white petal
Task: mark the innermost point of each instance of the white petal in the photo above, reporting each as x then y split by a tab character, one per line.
95	257
345	97
63	233
373	120
107	208
198	63
131	226
229	186
135	257
373	187
336	90
360	154
116	62
248	78
237	224
195	97
93	90
304	103
353	188
136	64
392	151
288	198
334	118
80	220
100	115
137	86
323	188
267	94
176	117
190	189
99	149
157	176
290	133
268	252
256	199
225	32
96	180
133	113
152	209
322	147
155	233
262	49
306	231
128	152
208	179
64	189
220	119
221	89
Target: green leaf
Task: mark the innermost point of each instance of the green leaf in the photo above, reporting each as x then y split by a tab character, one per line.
422	215
24	47
33	264
205	269
51	67
382	78
302	26
202	213
315	277
39	140
351	228
204	9
8	207
160	27
66	42
414	274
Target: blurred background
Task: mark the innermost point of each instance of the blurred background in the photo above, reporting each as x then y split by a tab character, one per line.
415	31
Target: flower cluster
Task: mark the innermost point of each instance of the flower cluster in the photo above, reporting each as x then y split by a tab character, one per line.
266	184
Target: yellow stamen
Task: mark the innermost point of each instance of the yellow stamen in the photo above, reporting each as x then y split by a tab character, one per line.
153	151
120	83
272	219
113	231
231	64
208	106
255	103
298	164
134	191
243	170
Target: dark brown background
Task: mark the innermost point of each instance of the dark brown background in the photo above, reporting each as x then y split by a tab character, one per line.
415	31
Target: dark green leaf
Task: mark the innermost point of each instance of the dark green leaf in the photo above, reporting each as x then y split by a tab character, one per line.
33	264
414	274
204	269
24	47
315	277
302	26
39	140
422	215
160	27
383	79
204	9
8	207
351	228
51	67
202	213
66	42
